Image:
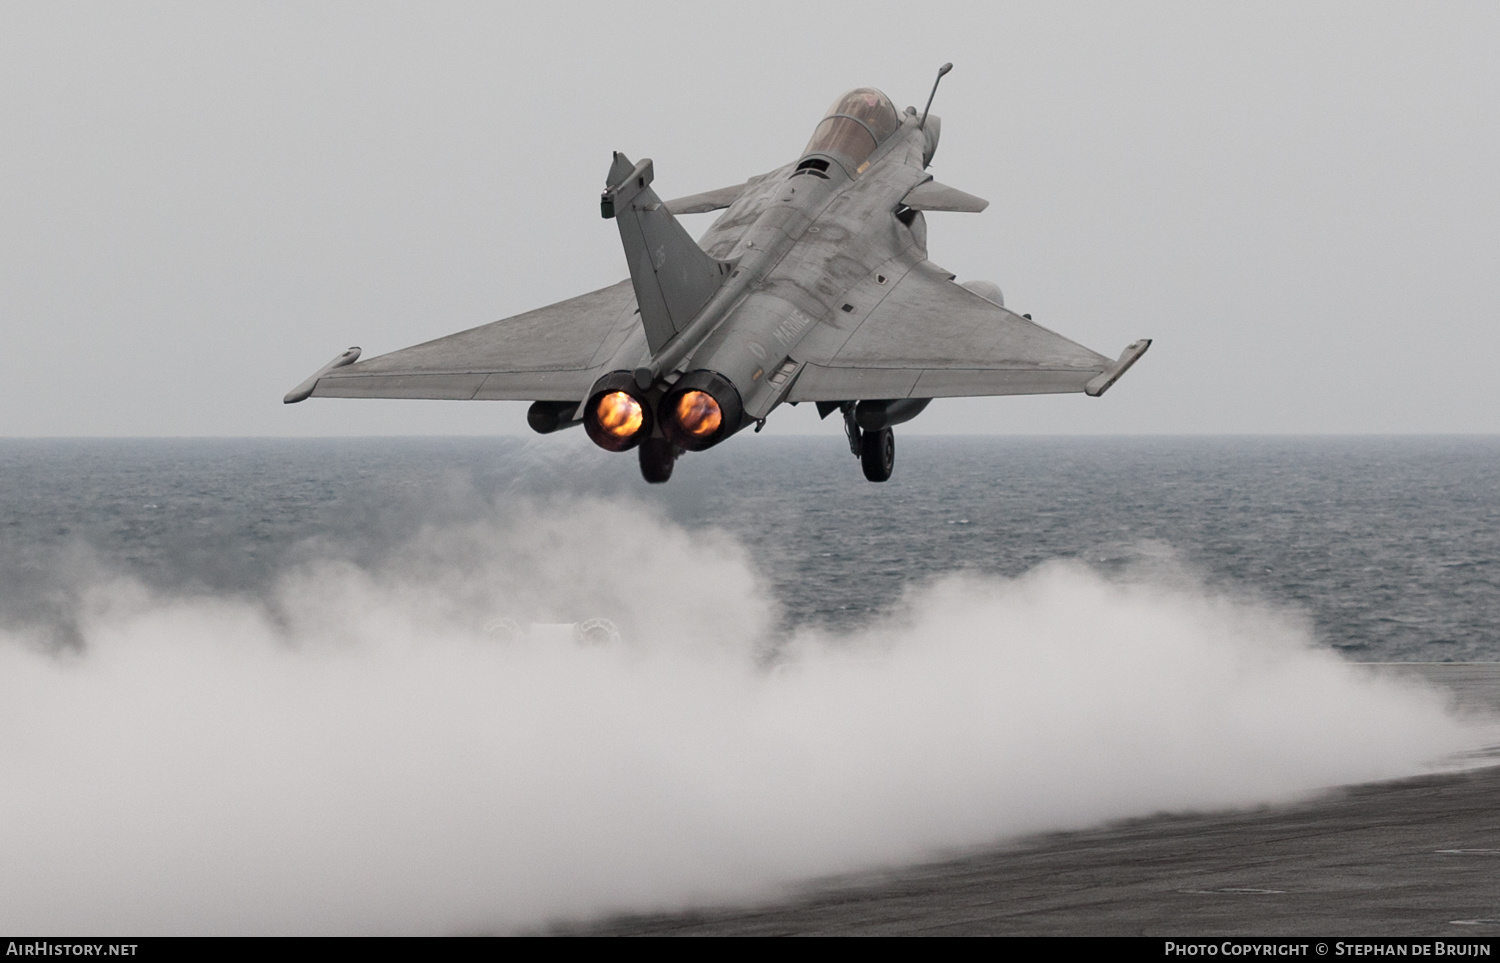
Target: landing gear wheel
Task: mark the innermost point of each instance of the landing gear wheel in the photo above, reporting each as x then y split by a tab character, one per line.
657	457
877	454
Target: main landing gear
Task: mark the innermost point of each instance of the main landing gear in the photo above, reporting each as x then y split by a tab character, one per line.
658	455
877	454
876	450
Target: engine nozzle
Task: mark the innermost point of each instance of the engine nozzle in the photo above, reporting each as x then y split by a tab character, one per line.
701	410
616	416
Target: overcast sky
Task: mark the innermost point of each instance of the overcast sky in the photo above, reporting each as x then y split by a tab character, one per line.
201	203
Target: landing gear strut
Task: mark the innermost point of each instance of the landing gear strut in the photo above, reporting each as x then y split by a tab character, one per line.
876	450
658	455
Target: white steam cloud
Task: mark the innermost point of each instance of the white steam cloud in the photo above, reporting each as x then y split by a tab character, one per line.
353	754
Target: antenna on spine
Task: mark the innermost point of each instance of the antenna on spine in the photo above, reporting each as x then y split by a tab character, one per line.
941	71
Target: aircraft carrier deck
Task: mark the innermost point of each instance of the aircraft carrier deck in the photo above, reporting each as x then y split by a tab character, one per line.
1417	857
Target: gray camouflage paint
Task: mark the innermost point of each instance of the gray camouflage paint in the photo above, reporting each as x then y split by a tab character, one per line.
807	288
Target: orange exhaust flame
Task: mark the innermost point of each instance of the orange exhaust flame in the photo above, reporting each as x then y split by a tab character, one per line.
698	414
619	414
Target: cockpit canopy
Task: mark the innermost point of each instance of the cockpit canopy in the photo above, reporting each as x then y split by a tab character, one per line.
854	126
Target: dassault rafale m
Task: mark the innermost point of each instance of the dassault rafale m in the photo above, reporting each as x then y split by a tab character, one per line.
813	286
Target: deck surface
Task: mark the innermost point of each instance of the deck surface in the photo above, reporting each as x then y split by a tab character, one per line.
1415	857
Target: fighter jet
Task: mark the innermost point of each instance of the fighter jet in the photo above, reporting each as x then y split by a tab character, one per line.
813	286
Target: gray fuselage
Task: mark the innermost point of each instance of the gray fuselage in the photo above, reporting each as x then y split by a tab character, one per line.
809	246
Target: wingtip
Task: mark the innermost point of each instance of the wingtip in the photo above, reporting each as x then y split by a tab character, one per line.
304	391
1132	353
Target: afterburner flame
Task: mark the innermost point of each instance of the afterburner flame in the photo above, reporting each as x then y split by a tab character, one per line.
619	414
698	414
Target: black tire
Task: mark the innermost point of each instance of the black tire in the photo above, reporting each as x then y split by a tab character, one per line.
657	458
877	454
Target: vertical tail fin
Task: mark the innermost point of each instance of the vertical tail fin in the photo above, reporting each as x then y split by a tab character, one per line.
672	276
